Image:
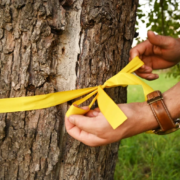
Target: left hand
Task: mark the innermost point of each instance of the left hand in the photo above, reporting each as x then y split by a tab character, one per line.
94	130
157	52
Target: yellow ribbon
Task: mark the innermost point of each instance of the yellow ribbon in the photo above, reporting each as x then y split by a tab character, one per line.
110	110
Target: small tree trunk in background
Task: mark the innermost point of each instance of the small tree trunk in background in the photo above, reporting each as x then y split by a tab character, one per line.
50	46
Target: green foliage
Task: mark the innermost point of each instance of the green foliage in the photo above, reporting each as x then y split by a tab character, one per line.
163	17
174	72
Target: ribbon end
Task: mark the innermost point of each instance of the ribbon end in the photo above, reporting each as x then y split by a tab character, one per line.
118	122
76	110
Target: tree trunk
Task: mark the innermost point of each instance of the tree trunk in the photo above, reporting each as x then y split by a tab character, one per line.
50	46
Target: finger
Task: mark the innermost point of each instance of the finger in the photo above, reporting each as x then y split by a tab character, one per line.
157	62
91	139
88	124
146	69
85	137
68	124
133	53
158	40
148	76
97	109
140	50
92	113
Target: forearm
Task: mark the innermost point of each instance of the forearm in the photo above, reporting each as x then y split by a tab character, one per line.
140	116
139	119
172	100
94	130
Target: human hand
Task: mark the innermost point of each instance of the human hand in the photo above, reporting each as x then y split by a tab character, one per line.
94	130
158	52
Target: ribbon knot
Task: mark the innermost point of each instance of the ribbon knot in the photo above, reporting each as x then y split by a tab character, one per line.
110	110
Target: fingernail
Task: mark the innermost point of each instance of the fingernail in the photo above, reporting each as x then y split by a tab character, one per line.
95	113
157	76
71	119
150	76
147	69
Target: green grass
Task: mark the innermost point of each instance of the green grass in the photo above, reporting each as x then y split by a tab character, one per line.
135	93
146	156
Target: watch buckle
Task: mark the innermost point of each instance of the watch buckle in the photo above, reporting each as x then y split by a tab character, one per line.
177	126
157	98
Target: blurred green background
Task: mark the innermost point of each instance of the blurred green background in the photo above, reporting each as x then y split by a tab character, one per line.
147	156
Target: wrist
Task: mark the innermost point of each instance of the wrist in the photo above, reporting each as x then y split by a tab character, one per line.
150	121
172	101
139	119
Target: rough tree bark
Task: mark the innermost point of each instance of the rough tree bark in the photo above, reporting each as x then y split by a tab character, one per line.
55	45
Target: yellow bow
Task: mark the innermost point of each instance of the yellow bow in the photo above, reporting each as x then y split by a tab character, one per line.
107	106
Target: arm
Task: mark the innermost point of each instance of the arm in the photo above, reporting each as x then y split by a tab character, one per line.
157	52
94	130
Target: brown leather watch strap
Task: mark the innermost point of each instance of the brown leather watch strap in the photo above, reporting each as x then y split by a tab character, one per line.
160	111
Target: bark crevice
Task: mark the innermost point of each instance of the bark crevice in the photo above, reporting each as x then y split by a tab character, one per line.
49	46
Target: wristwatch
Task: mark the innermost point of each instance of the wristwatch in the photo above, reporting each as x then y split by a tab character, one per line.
162	115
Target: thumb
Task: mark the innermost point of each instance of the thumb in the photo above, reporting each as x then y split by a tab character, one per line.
88	124
158	40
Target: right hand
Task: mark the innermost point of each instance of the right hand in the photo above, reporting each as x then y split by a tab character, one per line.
93	128
158	52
